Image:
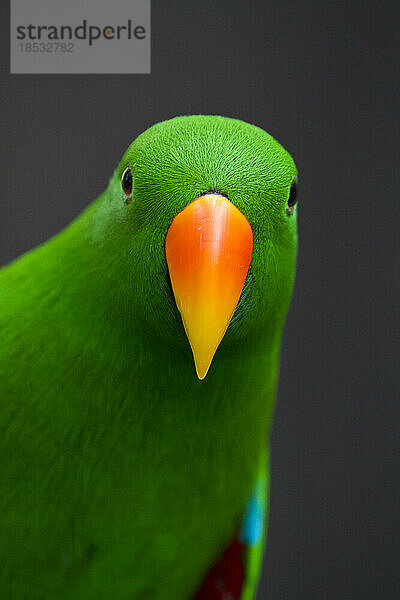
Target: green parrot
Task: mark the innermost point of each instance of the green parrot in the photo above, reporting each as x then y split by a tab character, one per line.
139	353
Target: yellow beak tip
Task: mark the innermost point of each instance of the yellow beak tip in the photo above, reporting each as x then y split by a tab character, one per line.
202	370
201	374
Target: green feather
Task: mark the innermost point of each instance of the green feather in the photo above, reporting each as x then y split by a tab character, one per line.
123	475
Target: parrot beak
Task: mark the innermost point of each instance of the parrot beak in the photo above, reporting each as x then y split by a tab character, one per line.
208	249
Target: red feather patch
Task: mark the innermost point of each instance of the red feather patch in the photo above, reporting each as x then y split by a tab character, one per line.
225	580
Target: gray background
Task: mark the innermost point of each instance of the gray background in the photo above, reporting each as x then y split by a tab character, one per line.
322	78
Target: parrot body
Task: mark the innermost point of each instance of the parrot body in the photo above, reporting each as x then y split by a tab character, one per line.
123	475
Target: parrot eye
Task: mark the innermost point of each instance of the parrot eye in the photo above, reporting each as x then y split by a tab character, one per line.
292	200
127	184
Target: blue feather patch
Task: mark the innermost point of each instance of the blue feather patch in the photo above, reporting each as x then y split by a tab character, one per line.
253	523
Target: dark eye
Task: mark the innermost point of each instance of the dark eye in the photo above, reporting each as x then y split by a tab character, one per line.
127	182
292	200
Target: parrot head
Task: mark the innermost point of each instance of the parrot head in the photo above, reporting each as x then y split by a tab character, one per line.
204	213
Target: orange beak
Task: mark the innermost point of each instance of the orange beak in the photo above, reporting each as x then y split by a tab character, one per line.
208	248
